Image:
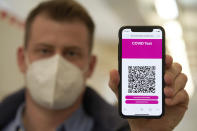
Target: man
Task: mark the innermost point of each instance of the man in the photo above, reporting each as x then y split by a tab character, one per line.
56	61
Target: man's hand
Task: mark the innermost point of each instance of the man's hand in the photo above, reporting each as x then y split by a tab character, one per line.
176	101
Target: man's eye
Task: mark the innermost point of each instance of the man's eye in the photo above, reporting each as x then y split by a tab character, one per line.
45	51
71	53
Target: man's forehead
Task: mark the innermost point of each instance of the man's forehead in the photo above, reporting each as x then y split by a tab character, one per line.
44	28
42	21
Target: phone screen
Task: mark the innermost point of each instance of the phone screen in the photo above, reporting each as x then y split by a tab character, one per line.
142	57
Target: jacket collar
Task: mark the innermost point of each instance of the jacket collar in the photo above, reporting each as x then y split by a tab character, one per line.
105	116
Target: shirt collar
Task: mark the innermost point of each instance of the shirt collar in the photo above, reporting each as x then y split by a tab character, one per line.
18	119
78	120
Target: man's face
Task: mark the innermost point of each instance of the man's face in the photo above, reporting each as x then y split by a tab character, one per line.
68	39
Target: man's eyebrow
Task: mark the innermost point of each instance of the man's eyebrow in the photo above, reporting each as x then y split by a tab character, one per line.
45	45
72	48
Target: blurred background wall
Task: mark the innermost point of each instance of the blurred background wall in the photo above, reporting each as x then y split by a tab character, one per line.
178	17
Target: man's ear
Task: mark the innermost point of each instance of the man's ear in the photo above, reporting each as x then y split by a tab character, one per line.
21	59
92	65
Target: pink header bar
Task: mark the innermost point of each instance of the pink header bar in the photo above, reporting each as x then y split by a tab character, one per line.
142	48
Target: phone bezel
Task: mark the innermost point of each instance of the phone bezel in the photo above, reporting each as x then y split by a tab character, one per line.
140	29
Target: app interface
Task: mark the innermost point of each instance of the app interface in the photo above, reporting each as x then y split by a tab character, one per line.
142	73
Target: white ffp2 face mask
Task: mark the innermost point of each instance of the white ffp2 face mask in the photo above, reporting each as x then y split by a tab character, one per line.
54	83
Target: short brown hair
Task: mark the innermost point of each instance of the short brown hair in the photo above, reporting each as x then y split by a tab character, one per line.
61	10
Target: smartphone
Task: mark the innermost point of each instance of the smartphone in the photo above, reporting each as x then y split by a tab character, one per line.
141	68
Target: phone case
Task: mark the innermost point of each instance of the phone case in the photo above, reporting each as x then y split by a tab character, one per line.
140	29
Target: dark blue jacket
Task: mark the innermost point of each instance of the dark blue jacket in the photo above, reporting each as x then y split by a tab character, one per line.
105	116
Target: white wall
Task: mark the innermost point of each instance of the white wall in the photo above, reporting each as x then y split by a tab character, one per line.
10	39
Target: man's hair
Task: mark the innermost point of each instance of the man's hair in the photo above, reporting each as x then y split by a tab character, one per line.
61	10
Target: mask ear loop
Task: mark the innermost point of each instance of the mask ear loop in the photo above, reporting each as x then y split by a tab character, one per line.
27	66
86	67
27	59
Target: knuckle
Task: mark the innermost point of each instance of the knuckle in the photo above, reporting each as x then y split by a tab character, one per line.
186	95
184	76
169	56
169	74
177	66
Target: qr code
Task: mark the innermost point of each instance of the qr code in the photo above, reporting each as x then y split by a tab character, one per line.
141	79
